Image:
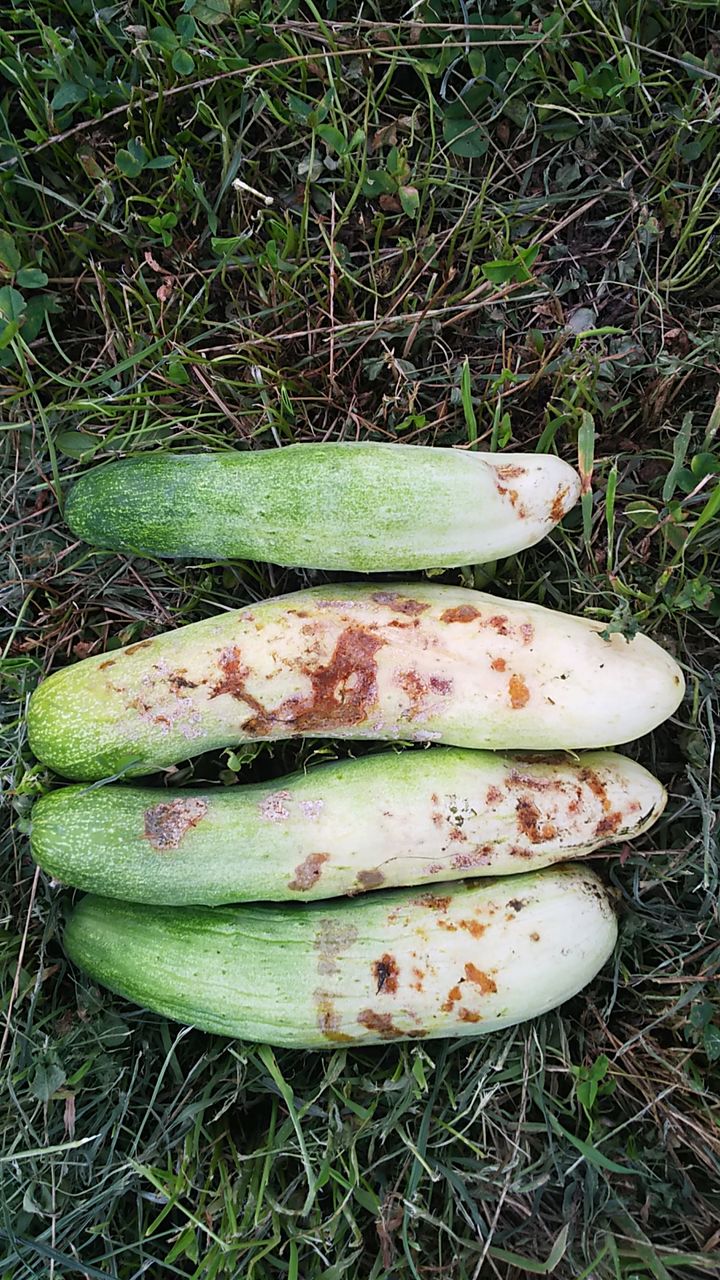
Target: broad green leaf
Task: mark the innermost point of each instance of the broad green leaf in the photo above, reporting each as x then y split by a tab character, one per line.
186	26
464	136
377	183
160	162
38	307
211	12
138	150
177	373
46	1078
31	278
332	138
183	63
7	333
127	164
12	303
163	38
299	107
9	256
410	200
67	95
642	513
75	444
705	464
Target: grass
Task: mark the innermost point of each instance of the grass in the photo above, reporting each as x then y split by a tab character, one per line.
228	225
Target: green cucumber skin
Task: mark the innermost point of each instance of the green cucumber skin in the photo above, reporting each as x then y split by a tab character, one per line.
415	817
420	662
388	966
363	507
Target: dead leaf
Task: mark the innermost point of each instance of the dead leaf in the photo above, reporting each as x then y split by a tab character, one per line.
69	1116
384	137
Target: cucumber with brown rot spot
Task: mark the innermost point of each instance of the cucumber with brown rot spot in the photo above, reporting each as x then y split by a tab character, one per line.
365	507
467	959
415	662
395	818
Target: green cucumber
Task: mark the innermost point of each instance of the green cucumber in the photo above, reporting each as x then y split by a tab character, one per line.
466	960
414	817
363	507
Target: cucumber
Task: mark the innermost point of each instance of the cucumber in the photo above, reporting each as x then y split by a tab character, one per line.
462	960
364	507
414	817
415	662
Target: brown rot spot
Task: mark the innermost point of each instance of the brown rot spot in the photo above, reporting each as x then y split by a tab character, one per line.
530	823
342	691
534	936
234	675
400	604
432	900
517	904
519	692
477	857
180	681
439	685
381	1023
447	925
527	632
499	624
166	824
514	497
516	779
414	687
371	879
473	927
331	939
557	510
596	785
609	824
386	972
273	808
498	664
480	979
494	796
308	872
468	1015
417	982
103	666
329	1019
510	472
453	996
456	834
460	613
141	644
517	851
